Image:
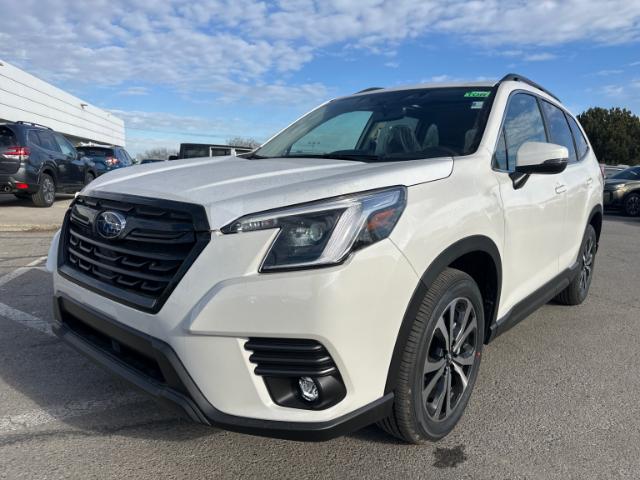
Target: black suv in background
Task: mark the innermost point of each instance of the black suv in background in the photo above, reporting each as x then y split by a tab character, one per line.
36	162
103	159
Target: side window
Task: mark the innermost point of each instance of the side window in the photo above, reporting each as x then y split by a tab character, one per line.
522	123
32	138
48	141
500	157
65	146
581	143
559	131
339	133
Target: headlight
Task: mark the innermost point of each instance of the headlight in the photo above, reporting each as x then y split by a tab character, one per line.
326	232
619	186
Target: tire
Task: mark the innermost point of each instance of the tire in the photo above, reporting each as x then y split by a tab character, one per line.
46	194
631	205
88	178
578	289
430	365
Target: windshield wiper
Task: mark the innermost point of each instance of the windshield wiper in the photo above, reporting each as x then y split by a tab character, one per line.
339	155
252	156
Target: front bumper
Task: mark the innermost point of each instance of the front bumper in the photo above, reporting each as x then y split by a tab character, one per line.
94	335
613	198
354	310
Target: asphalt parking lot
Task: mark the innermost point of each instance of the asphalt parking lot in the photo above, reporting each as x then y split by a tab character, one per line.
557	397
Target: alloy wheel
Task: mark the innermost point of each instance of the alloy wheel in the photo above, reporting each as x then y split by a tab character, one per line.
450	359
633	205
588	255
48	190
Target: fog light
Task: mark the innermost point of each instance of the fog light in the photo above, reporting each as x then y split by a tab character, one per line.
308	389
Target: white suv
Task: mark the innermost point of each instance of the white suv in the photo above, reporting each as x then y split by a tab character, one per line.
347	272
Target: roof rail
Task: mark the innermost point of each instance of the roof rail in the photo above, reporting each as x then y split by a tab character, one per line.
519	78
370	89
33	124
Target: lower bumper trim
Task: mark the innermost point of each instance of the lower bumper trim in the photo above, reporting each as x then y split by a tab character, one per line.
189	398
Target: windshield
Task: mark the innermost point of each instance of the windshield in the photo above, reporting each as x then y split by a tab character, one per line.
389	126
628	174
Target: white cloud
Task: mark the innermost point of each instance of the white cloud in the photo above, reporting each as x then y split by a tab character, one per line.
539	57
228	47
613	90
134	91
607	73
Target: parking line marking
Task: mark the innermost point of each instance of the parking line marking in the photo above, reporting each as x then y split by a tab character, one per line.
19	271
25	319
42	416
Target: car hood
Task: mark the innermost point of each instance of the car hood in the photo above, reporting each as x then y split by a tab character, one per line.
230	187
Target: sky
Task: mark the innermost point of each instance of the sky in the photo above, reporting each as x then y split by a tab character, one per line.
206	70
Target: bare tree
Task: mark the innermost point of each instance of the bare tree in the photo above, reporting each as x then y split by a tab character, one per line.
243	142
160	153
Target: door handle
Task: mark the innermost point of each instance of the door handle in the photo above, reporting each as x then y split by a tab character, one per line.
561	188
589	181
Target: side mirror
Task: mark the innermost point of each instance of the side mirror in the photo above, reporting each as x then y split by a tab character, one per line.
541	158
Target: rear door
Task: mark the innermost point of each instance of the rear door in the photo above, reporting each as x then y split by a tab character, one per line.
73	162
53	156
534	213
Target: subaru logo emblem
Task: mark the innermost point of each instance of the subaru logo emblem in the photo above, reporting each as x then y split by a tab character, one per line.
110	224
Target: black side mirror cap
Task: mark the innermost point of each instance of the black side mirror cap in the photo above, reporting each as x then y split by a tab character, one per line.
548	167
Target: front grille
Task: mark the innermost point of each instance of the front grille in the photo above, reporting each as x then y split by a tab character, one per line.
283	357
143	265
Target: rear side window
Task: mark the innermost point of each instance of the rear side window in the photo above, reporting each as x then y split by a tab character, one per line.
581	143
96	152
32	138
48	141
522	123
7	137
65	146
559	132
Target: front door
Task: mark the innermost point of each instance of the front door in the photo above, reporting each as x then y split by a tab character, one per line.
534	213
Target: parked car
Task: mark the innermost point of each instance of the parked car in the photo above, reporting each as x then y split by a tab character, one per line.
197	150
622	191
36	162
347	272
610	170
104	158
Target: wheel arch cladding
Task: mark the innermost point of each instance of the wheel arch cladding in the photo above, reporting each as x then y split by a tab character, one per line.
478	256
51	172
595	220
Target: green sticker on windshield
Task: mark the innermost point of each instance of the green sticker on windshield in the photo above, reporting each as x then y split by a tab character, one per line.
477	94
